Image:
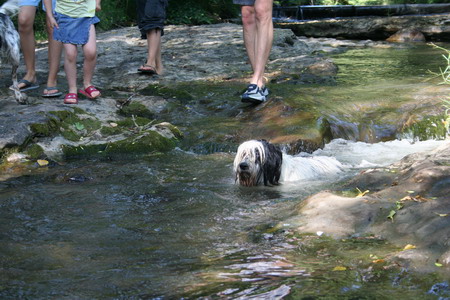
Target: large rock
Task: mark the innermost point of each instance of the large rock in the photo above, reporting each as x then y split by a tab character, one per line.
407	35
417	189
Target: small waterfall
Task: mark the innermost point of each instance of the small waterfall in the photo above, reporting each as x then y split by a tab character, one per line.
297	168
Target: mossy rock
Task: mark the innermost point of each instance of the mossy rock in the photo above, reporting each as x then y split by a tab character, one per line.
34	151
175	131
45	129
179	92
137	110
130	123
148	142
109	131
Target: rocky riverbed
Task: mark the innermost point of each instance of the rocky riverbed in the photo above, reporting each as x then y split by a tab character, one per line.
134	116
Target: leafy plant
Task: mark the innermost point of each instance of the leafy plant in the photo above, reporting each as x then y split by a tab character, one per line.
445	75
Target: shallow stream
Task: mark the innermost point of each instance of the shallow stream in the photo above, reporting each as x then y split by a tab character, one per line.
175	225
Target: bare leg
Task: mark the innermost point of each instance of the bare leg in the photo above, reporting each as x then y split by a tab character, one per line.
70	66
154	51
90	60
264	39
249	31
54	58
258	36
26	20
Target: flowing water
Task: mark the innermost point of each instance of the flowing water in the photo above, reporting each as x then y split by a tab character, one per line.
175	225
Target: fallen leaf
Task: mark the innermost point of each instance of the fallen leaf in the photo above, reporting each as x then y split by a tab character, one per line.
407	198
438	264
442	215
42	162
79	126
421	199
391	215
410	192
409	247
361	193
399	205
417	198
339	268
378	261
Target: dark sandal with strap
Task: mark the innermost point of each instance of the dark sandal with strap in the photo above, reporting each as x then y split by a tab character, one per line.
147	69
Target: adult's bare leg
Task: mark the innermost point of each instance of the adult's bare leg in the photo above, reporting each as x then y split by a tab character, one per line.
263	39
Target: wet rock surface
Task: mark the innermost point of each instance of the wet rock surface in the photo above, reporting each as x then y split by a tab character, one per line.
407	203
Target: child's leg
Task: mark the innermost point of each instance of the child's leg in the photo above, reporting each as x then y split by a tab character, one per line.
54	60
70	66
154	50
90	59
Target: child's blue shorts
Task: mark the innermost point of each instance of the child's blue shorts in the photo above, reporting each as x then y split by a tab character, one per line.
73	30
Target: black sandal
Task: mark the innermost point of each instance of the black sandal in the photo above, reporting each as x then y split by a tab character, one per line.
147	69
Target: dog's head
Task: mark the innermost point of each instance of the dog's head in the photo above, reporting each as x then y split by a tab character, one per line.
256	160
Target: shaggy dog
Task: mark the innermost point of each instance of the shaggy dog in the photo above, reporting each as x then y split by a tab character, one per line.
258	161
9	44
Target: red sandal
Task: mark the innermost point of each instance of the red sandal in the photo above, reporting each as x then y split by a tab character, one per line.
87	92
71	98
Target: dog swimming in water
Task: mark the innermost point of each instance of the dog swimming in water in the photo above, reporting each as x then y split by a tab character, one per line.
258	161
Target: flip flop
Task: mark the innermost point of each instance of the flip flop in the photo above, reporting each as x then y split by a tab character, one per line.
28	85
71	98
87	92
53	94
147	69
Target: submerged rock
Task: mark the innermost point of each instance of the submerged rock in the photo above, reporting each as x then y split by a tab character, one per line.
407	35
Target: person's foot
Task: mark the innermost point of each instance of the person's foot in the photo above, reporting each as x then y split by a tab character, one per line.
254	94
147	69
25	85
90	92
51	92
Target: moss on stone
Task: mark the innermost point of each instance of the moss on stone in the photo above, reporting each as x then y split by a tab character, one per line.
61	114
175	131
70	135
108	131
90	124
130	123
34	151
45	129
149	142
136	109
179	92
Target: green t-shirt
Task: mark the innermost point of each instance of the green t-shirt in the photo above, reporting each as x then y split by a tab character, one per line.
76	8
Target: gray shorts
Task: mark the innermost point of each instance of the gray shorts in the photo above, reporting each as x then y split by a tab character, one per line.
244	2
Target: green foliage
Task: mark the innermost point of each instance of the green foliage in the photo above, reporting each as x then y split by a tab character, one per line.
445	74
191	12
355	2
117	13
